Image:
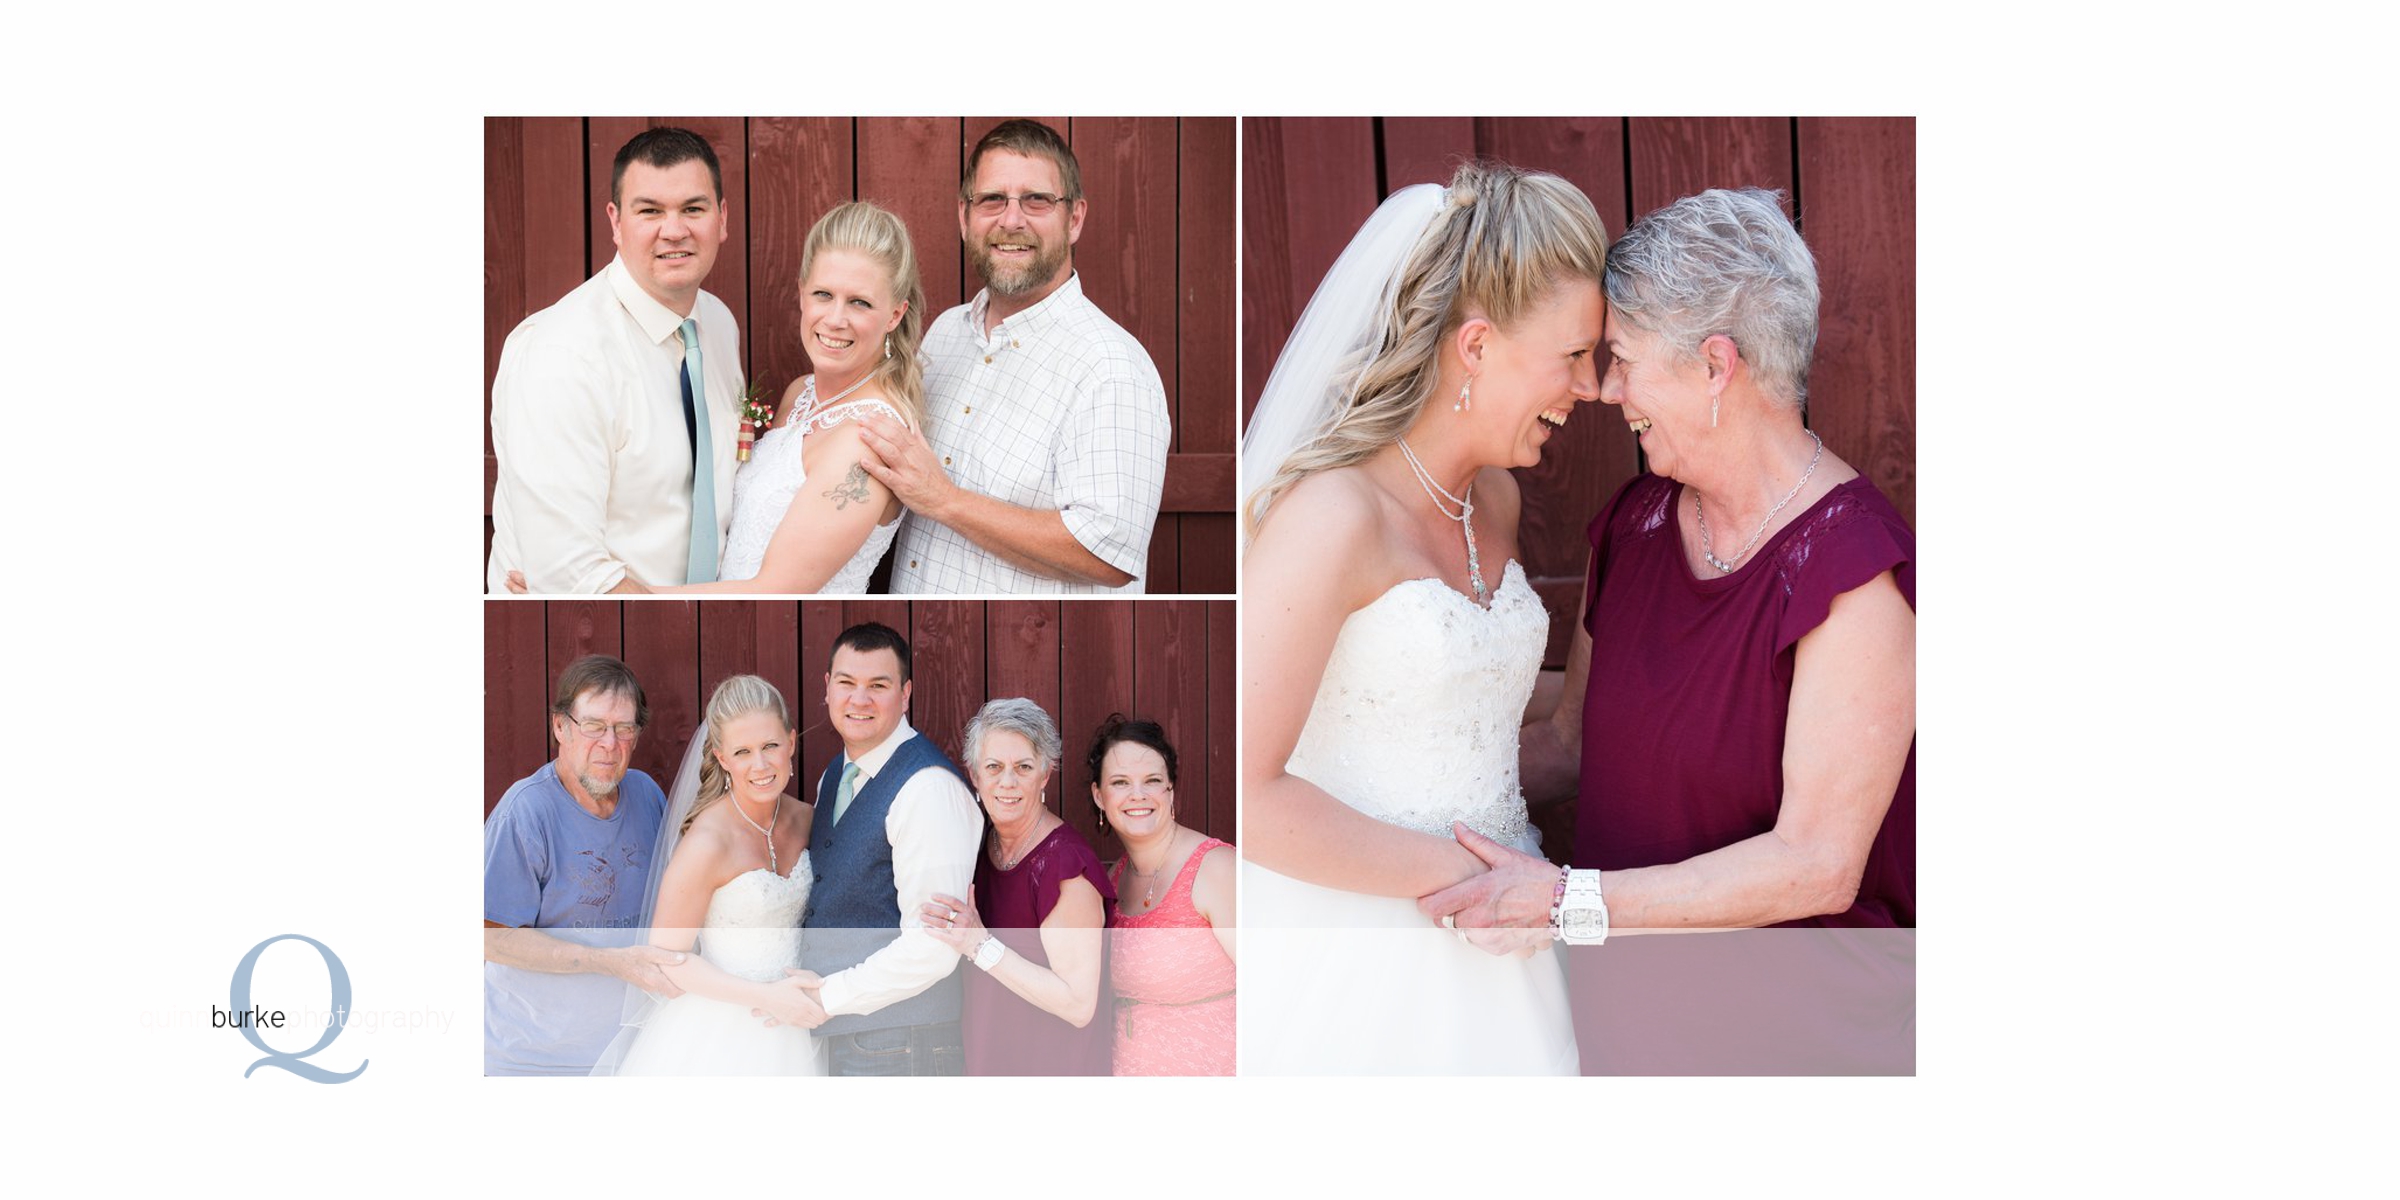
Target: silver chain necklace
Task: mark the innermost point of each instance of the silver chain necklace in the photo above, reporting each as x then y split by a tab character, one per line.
767	830
1150	888
1725	567
1464	516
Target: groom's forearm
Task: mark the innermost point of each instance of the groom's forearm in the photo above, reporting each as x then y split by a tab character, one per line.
1030	539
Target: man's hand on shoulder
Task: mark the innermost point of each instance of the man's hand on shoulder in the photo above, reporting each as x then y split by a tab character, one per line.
901	459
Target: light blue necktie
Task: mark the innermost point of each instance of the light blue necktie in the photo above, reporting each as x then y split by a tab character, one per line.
843	795
702	565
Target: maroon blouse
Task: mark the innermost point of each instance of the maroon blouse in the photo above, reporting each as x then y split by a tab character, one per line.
1691	682
1004	1035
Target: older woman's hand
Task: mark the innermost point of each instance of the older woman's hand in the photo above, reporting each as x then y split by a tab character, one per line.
1505	910
954	923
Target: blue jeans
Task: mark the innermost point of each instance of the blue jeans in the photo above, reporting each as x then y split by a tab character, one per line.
902	1050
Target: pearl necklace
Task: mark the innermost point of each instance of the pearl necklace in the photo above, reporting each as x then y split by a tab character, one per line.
1464	516
1726	568
767	830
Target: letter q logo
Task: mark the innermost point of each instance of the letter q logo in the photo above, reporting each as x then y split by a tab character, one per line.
333	1027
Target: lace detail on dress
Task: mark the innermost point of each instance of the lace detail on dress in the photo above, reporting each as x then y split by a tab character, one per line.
763	492
753	925
1415	722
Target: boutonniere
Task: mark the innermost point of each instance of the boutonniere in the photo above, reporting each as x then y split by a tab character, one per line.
758	412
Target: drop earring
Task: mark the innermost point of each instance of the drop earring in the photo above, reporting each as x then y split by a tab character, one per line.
1712	411
887	347
1465	402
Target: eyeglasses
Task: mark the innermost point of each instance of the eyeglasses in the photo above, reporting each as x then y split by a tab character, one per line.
595	730
1032	204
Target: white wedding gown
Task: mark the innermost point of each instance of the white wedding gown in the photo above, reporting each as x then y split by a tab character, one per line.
752	931
1415	724
763	491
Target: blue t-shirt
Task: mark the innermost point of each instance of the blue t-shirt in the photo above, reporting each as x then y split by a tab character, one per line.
549	865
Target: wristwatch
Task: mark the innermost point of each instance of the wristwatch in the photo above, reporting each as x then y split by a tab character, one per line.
989	952
1581	917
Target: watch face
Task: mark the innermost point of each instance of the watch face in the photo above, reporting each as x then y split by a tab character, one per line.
1581	924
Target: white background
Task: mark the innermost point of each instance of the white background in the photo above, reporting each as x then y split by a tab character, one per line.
2155	397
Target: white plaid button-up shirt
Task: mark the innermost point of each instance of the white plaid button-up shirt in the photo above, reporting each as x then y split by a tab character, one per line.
1058	408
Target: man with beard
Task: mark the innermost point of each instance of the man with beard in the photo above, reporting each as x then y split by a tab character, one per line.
1046	447
568	851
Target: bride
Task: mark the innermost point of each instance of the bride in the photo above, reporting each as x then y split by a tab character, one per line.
737	879
807	518
1391	639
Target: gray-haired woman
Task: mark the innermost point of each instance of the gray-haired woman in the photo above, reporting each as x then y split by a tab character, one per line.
1036	922
1739	720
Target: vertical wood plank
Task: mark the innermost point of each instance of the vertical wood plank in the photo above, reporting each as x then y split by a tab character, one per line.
1424	149
1021	648
1308	183
579	627
910	166
1674	157
821	621
1220	727
1204	365
516	697
799	167
1125	260
662	645
1858	211
1096	679
727	636
948	652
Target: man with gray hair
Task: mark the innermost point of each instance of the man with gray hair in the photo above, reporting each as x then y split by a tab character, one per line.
1047	450
566	867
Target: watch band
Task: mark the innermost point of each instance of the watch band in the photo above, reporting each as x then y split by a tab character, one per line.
989	952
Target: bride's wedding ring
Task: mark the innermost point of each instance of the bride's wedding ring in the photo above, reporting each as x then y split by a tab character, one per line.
1450	922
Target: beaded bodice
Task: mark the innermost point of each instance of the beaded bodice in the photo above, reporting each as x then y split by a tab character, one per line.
1415	721
753	923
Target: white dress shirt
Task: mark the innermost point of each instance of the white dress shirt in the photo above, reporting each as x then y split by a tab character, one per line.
587	422
1056	408
935	829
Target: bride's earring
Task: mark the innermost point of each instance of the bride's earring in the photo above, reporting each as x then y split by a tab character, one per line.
887	347
1466	402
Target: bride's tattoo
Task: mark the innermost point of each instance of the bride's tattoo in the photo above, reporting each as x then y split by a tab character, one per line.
852	487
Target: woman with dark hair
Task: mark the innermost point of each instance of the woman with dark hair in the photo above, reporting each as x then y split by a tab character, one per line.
1172	949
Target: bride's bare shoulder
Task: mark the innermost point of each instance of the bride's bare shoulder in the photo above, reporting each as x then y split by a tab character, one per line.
1343	500
1333	528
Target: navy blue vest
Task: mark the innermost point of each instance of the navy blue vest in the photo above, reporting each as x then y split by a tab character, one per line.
854	909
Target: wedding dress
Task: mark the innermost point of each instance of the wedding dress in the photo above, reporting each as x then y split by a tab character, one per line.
763	491
752	930
1415	724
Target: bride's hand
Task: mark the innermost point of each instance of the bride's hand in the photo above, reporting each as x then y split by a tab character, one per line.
953	922
792	1000
516	583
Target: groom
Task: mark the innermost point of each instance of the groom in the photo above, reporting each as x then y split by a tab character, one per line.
895	824
615	410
